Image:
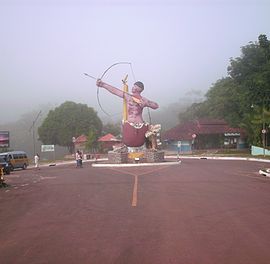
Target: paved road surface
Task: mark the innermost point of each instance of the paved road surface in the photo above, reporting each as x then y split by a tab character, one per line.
199	212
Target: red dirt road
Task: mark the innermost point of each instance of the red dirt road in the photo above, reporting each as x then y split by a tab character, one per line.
202	211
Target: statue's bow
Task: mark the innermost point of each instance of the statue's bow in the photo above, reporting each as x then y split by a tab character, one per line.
103	75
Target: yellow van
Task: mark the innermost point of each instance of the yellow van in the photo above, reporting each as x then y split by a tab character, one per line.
16	159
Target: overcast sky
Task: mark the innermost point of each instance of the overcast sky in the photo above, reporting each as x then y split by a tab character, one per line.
174	46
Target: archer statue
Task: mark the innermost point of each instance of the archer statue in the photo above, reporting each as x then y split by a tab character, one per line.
134	127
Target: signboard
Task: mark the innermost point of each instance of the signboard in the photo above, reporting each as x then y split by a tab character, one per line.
232	134
4	139
47	148
194	136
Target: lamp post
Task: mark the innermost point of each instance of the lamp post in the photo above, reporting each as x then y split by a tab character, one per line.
179	143
34	135
193	141
73	141
263	131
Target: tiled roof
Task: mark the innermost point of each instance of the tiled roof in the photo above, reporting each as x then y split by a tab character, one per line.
199	127
108	137
80	139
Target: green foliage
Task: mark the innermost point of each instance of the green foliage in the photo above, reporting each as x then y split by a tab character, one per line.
248	83
224	97
110	128
91	140
195	111
253	69
66	121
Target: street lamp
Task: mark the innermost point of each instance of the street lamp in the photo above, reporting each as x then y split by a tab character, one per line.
73	141
263	131
33	129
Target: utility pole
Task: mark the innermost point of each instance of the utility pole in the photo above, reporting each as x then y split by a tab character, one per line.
33	130
264	129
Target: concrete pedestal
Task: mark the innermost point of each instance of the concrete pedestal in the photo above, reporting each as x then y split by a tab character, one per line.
117	157
152	156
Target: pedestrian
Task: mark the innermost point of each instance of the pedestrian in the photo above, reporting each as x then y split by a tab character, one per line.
36	160
78	159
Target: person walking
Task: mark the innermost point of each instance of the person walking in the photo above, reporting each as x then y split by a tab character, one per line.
80	159
36	160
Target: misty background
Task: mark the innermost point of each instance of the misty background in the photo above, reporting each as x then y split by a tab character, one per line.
178	49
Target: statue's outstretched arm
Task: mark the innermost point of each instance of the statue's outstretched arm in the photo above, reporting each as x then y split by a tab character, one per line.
110	88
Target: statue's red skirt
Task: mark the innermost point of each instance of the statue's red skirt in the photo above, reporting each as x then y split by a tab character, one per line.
134	134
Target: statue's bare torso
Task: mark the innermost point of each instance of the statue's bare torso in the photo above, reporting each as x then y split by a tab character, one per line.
135	102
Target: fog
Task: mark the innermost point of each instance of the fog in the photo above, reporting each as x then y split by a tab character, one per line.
174	47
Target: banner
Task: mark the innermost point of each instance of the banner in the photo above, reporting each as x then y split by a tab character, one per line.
47	148
4	139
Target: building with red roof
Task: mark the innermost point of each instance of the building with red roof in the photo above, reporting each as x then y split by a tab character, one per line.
79	142
108	141
204	134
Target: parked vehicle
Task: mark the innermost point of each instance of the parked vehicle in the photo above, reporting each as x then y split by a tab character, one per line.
5	165
16	159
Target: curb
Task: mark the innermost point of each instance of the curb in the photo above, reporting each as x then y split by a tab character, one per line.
221	158
95	164
107	165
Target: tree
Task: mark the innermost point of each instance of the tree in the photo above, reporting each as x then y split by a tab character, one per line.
251	72
91	140
66	121
114	129
247	84
195	111
224	101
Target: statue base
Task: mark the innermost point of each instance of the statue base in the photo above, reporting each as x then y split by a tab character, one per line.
117	157
135	157
147	156
152	156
